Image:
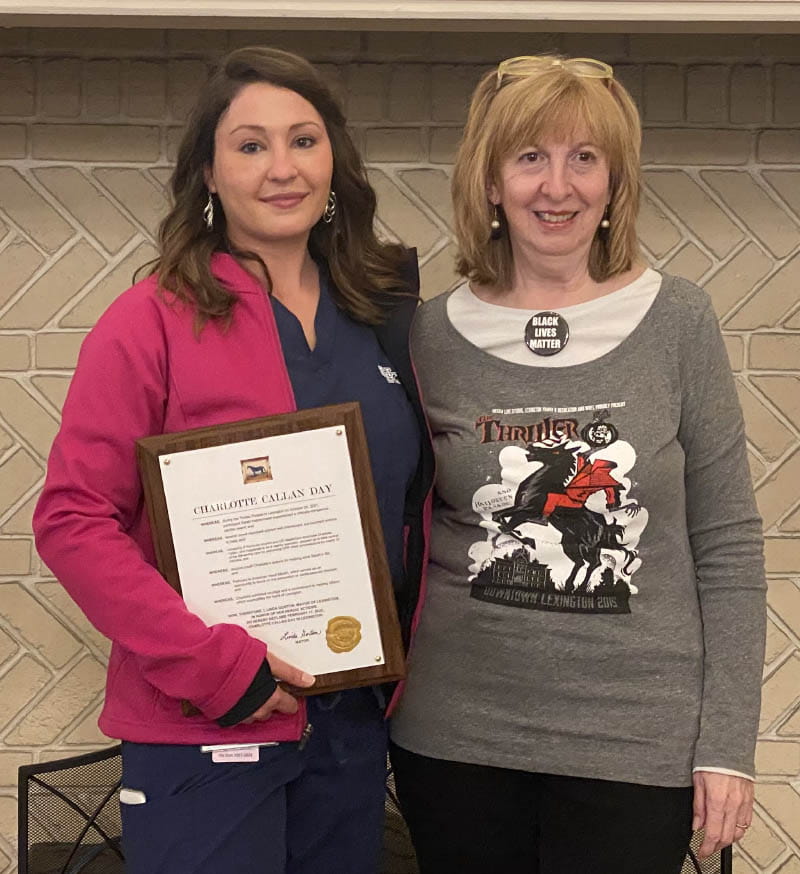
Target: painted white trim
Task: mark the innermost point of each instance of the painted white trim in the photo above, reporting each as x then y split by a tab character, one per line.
442	14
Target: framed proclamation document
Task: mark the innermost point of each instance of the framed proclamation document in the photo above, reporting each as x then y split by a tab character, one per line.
273	524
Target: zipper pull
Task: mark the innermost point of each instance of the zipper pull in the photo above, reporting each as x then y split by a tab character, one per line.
305	736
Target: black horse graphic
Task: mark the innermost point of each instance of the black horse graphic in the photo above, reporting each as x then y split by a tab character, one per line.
556	493
558	468
583	535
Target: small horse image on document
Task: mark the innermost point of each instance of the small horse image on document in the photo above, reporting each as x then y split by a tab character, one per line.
256	470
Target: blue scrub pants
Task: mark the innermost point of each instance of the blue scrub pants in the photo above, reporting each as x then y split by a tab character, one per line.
295	811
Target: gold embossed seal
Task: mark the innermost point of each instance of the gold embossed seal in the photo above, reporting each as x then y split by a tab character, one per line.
343	633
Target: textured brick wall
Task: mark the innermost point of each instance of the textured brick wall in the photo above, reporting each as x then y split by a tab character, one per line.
89	122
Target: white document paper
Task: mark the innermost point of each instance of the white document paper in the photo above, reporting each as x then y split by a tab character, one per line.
267	535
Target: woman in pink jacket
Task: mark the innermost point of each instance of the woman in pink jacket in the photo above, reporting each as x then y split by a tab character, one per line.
270	293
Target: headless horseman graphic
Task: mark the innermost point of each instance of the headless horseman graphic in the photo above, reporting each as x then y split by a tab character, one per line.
599	556
566	479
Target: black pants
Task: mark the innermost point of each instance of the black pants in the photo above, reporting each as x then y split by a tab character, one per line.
473	819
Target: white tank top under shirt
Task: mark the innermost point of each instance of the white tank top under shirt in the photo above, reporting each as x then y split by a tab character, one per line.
595	328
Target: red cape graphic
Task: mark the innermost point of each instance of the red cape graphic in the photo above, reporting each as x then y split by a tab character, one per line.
590	477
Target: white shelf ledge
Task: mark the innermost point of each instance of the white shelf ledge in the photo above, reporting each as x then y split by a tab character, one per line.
637	15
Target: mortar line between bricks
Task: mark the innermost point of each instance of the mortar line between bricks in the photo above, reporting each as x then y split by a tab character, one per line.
14	236
768	404
681	223
769	468
10	849
25	380
86	289
56	371
784	626
770	869
86	642
781	718
85	171
776	267
395	169
54	204
754	450
386	232
20	502
51	258
777	330
61	738
793	311
721	262
669	254
754	172
23	444
30	587
56	676
773	823
779	662
20	233
787	514
695	173
770	95
776	196
121	205
10	663
436	249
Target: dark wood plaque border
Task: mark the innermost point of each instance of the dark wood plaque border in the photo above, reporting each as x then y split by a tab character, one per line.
148	450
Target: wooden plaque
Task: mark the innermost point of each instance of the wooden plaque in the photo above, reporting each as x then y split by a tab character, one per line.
150	452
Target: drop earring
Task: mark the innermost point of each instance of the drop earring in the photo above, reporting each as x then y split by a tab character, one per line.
330	208
208	213
605	224
495	229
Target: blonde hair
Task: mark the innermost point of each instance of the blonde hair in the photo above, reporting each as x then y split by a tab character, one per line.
523	111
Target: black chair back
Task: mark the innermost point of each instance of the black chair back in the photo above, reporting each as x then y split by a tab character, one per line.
69	819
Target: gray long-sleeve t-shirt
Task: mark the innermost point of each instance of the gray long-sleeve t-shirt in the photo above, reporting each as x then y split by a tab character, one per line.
596	596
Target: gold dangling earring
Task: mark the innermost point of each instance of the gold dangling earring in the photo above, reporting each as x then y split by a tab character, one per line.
208	213
605	224
496	230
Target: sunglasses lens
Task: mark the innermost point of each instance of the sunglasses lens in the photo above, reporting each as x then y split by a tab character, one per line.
528	64
521	66
589	67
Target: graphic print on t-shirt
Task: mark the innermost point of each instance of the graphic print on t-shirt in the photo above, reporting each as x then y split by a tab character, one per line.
562	528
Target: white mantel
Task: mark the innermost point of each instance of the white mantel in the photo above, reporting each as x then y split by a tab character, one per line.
763	16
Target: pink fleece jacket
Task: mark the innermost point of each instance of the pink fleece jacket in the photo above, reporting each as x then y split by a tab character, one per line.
142	371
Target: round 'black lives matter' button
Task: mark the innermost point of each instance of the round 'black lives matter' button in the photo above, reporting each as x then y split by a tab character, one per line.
546	333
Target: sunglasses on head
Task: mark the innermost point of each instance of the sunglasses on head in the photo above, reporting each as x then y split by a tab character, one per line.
527	65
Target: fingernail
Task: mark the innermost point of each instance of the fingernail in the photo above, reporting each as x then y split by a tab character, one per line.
695	823
308	679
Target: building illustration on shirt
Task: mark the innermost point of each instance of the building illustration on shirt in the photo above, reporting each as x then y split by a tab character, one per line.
562	528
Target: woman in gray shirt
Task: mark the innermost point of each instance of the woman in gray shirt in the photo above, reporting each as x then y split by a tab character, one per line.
584	683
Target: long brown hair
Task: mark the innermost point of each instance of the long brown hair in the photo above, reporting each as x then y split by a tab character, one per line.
364	269
527	109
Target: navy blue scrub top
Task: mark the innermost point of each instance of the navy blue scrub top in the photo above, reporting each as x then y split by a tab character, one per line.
348	364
